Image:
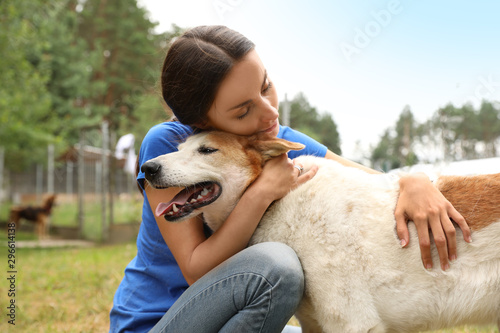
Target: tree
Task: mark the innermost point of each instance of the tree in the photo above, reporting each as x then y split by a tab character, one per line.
383	157
149	107
25	102
466	136
489	120
396	146
406	128
452	133
306	119
466	133
122	35
70	84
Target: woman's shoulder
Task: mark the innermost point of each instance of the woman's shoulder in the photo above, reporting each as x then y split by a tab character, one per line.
162	139
313	147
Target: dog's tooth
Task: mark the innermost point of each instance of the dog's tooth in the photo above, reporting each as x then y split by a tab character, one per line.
193	200
205	191
175	209
199	197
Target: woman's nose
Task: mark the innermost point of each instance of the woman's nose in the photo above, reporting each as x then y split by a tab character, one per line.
268	111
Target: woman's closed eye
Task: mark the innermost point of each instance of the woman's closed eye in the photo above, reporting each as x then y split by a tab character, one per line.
245	113
266	88
247	108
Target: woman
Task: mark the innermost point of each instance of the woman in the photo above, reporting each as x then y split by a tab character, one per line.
212	78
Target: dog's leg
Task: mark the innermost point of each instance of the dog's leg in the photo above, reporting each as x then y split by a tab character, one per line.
41	223
37	229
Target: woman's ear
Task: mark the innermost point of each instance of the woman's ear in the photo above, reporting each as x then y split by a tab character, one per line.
204	125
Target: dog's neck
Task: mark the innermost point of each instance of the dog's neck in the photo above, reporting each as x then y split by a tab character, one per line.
47	207
218	212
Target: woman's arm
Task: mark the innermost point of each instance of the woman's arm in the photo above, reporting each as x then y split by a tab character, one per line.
421	202
196	254
344	161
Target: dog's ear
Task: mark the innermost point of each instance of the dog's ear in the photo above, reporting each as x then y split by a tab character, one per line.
274	147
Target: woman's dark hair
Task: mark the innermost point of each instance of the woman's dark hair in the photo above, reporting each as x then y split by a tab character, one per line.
195	66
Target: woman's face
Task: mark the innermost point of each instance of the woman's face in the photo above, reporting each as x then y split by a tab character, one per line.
246	102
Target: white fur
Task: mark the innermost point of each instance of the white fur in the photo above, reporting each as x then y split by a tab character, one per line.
341	224
358	278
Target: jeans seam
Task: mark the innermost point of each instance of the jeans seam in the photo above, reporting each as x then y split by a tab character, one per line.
217	283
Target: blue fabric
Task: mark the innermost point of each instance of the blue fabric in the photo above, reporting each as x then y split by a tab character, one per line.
153	280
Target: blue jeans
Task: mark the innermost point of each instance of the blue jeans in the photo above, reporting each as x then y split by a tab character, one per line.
256	290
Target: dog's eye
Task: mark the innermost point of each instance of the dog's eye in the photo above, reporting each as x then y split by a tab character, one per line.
206	150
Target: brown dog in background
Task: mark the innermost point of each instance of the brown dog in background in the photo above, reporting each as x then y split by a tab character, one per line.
36	214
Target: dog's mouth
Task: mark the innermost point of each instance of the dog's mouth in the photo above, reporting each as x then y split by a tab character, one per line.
189	199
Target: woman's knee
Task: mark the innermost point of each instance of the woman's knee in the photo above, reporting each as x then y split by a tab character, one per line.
280	265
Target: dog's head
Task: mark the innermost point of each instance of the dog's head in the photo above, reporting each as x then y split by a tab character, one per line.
49	202
214	168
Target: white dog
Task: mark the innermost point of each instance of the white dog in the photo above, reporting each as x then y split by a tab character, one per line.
341	225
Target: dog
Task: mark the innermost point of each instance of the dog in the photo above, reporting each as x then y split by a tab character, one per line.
341	225
38	215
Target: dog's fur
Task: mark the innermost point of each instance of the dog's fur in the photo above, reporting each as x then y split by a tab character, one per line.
341	225
36	214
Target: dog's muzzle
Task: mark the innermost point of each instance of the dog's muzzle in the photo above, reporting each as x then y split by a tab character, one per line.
151	170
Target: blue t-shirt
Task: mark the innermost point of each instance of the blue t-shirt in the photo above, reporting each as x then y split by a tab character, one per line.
153	281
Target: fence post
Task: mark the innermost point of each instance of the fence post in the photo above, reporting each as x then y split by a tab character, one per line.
105	178
2	163
112	180
50	169
286	112
81	184
69	178
39	181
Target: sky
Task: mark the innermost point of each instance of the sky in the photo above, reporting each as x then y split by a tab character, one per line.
362	61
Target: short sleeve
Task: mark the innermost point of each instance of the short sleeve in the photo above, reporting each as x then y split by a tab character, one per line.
313	147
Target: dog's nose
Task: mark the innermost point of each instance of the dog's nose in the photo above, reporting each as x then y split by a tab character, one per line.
150	169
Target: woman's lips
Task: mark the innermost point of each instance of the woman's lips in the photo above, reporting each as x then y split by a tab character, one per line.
270	129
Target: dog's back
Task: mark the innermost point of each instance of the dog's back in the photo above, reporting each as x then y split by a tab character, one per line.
30	213
477	198
358	277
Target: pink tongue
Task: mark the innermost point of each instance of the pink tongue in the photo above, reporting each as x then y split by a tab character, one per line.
179	199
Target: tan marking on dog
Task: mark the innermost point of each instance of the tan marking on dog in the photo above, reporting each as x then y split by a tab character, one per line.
477	198
236	148
248	151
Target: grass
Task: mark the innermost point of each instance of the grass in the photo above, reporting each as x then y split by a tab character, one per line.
126	210
71	290
66	290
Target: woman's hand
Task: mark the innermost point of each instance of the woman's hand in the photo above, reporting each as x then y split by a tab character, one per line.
279	176
421	202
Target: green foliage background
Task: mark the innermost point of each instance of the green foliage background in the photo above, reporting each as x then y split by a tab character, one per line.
67	65
453	133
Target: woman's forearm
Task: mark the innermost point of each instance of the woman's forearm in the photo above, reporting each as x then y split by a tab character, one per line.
332	156
232	237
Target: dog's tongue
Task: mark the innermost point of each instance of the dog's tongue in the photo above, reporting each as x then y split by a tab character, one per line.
180	199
